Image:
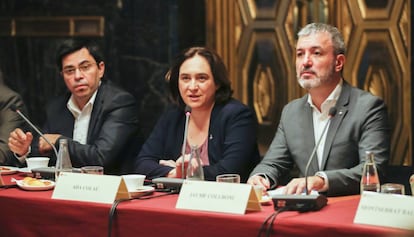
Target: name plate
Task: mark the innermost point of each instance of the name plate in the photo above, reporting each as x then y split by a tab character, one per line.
217	197
90	188
389	210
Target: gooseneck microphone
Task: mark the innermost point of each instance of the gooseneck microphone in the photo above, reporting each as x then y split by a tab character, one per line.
303	203
331	114
165	184
187	119
15	109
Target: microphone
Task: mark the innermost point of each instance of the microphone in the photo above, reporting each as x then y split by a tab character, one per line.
164	184
303	203
187	119
332	113
15	109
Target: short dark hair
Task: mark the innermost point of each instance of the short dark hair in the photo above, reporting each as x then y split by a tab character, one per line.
71	45
217	67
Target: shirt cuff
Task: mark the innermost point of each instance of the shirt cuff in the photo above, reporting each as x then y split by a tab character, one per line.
270	181
22	159
326	181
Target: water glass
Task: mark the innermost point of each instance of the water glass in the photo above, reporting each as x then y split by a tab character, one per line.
228	178
92	170
392	188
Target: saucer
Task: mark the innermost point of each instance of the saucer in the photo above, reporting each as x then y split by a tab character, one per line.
25	170
265	199
4	170
144	190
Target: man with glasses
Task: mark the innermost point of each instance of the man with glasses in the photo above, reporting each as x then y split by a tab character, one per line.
98	119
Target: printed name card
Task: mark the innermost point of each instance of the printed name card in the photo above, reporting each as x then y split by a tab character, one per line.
90	188
386	210
217	197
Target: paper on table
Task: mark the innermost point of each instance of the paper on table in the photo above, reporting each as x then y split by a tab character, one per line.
281	191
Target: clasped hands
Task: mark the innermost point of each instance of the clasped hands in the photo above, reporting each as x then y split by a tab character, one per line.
19	142
177	165
295	186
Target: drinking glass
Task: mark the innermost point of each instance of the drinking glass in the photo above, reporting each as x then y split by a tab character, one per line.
228	178
393	188
92	170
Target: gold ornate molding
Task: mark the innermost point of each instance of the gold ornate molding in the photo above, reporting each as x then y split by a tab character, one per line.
53	26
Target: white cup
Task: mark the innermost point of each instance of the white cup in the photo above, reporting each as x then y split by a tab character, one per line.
134	181
37	162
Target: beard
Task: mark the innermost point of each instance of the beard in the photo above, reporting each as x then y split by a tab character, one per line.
318	80
309	83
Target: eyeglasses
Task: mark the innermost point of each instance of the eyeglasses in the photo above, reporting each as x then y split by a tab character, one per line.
84	68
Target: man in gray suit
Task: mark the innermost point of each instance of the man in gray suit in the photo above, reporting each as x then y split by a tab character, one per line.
9	120
360	123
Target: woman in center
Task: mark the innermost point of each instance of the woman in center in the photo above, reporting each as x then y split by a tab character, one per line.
224	129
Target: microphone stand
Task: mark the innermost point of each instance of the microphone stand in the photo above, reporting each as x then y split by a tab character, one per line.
187	118
15	109
332	113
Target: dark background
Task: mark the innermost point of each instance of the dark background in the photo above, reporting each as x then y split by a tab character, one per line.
140	41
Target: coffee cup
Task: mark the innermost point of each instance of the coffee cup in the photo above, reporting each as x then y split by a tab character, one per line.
37	162
134	181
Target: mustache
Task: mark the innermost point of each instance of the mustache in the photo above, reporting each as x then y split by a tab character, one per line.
307	71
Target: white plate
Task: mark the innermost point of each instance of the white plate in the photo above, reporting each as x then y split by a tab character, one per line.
8	170
25	170
22	185
141	191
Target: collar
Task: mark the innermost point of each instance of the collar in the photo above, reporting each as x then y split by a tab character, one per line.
330	101
73	107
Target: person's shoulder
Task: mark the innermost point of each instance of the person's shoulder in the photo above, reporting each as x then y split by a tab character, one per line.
6	92
108	86
232	109
297	103
233	106
110	93
361	96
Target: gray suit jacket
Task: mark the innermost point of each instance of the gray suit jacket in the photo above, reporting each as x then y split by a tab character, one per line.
360	124
9	120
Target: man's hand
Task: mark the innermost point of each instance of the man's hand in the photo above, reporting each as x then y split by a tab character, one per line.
259	180
44	147
19	141
297	185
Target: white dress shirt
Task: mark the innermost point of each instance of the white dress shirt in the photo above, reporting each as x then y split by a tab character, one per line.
320	119
82	118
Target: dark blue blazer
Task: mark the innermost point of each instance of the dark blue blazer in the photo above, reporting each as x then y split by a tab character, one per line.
112	133
232	144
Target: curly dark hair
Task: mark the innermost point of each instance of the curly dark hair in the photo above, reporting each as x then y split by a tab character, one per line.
218	69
